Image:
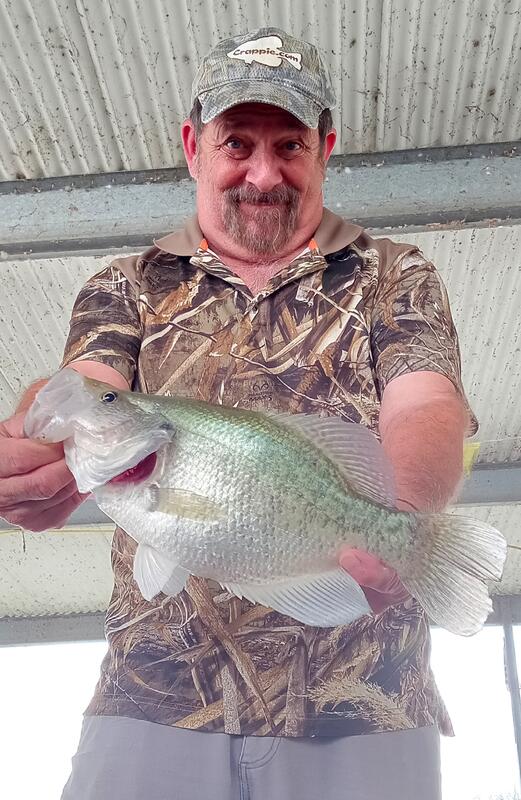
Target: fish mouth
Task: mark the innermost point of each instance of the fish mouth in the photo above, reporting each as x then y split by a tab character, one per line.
138	473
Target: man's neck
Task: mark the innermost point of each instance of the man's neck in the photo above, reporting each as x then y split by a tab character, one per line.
258	269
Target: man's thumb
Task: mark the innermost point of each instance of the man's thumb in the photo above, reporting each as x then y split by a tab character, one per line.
13	427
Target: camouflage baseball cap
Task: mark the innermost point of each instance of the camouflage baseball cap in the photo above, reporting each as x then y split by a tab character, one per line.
264	66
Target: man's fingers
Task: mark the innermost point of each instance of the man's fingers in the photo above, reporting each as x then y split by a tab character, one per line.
40	484
367	569
68	491
19	456
379	602
14	426
55	517
31	508
381	584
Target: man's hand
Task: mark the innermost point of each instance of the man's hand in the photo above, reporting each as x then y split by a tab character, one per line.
422	423
37	490
380	583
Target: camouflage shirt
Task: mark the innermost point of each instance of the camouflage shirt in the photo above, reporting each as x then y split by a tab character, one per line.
326	335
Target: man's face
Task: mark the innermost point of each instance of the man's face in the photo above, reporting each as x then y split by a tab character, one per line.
259	175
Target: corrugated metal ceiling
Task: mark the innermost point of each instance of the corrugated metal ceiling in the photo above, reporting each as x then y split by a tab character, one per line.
65	572
37	299
482	269
89	87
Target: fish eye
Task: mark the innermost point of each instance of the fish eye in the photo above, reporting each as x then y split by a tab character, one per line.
109	397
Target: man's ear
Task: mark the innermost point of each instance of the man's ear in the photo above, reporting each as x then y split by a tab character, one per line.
329	144
190	147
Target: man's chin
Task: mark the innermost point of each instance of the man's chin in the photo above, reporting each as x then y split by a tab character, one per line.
244	204
260	215
260	229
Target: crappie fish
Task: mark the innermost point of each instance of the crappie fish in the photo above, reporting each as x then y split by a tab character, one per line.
261	503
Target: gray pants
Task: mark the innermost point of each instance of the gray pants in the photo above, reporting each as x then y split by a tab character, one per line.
127	759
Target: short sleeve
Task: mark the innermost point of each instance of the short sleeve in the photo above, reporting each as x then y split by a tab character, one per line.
105	324
412	328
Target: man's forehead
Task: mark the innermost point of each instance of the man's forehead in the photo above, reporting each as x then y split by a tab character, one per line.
250	113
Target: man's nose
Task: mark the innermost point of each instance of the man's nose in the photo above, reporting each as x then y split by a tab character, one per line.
263	171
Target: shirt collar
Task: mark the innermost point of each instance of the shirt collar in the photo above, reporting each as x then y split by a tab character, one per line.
184	242
333	234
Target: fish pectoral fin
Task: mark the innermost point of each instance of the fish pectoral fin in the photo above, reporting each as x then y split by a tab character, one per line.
186	504
154	572
325	599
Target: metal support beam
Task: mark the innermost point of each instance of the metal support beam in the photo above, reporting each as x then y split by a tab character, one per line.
46	630
413	190
492	484
90	627
506	608
508	618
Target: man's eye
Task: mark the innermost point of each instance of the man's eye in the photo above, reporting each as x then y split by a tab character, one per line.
292	147
233	144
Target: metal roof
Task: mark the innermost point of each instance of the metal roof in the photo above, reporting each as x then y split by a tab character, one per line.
37	299
481	269
59	572
90	87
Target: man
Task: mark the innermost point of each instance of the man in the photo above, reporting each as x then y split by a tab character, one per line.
264	300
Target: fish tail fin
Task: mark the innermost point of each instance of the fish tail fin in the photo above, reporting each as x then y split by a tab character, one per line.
461	556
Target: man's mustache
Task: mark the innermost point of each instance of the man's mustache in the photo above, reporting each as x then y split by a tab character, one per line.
281	195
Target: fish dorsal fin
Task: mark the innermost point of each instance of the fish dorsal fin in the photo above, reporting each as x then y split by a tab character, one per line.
353	448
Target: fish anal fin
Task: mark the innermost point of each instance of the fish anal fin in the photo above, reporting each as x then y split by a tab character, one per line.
325	599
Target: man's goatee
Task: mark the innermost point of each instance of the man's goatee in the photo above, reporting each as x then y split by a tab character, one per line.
271	225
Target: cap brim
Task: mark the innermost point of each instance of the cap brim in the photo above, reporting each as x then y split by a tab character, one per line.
215	101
